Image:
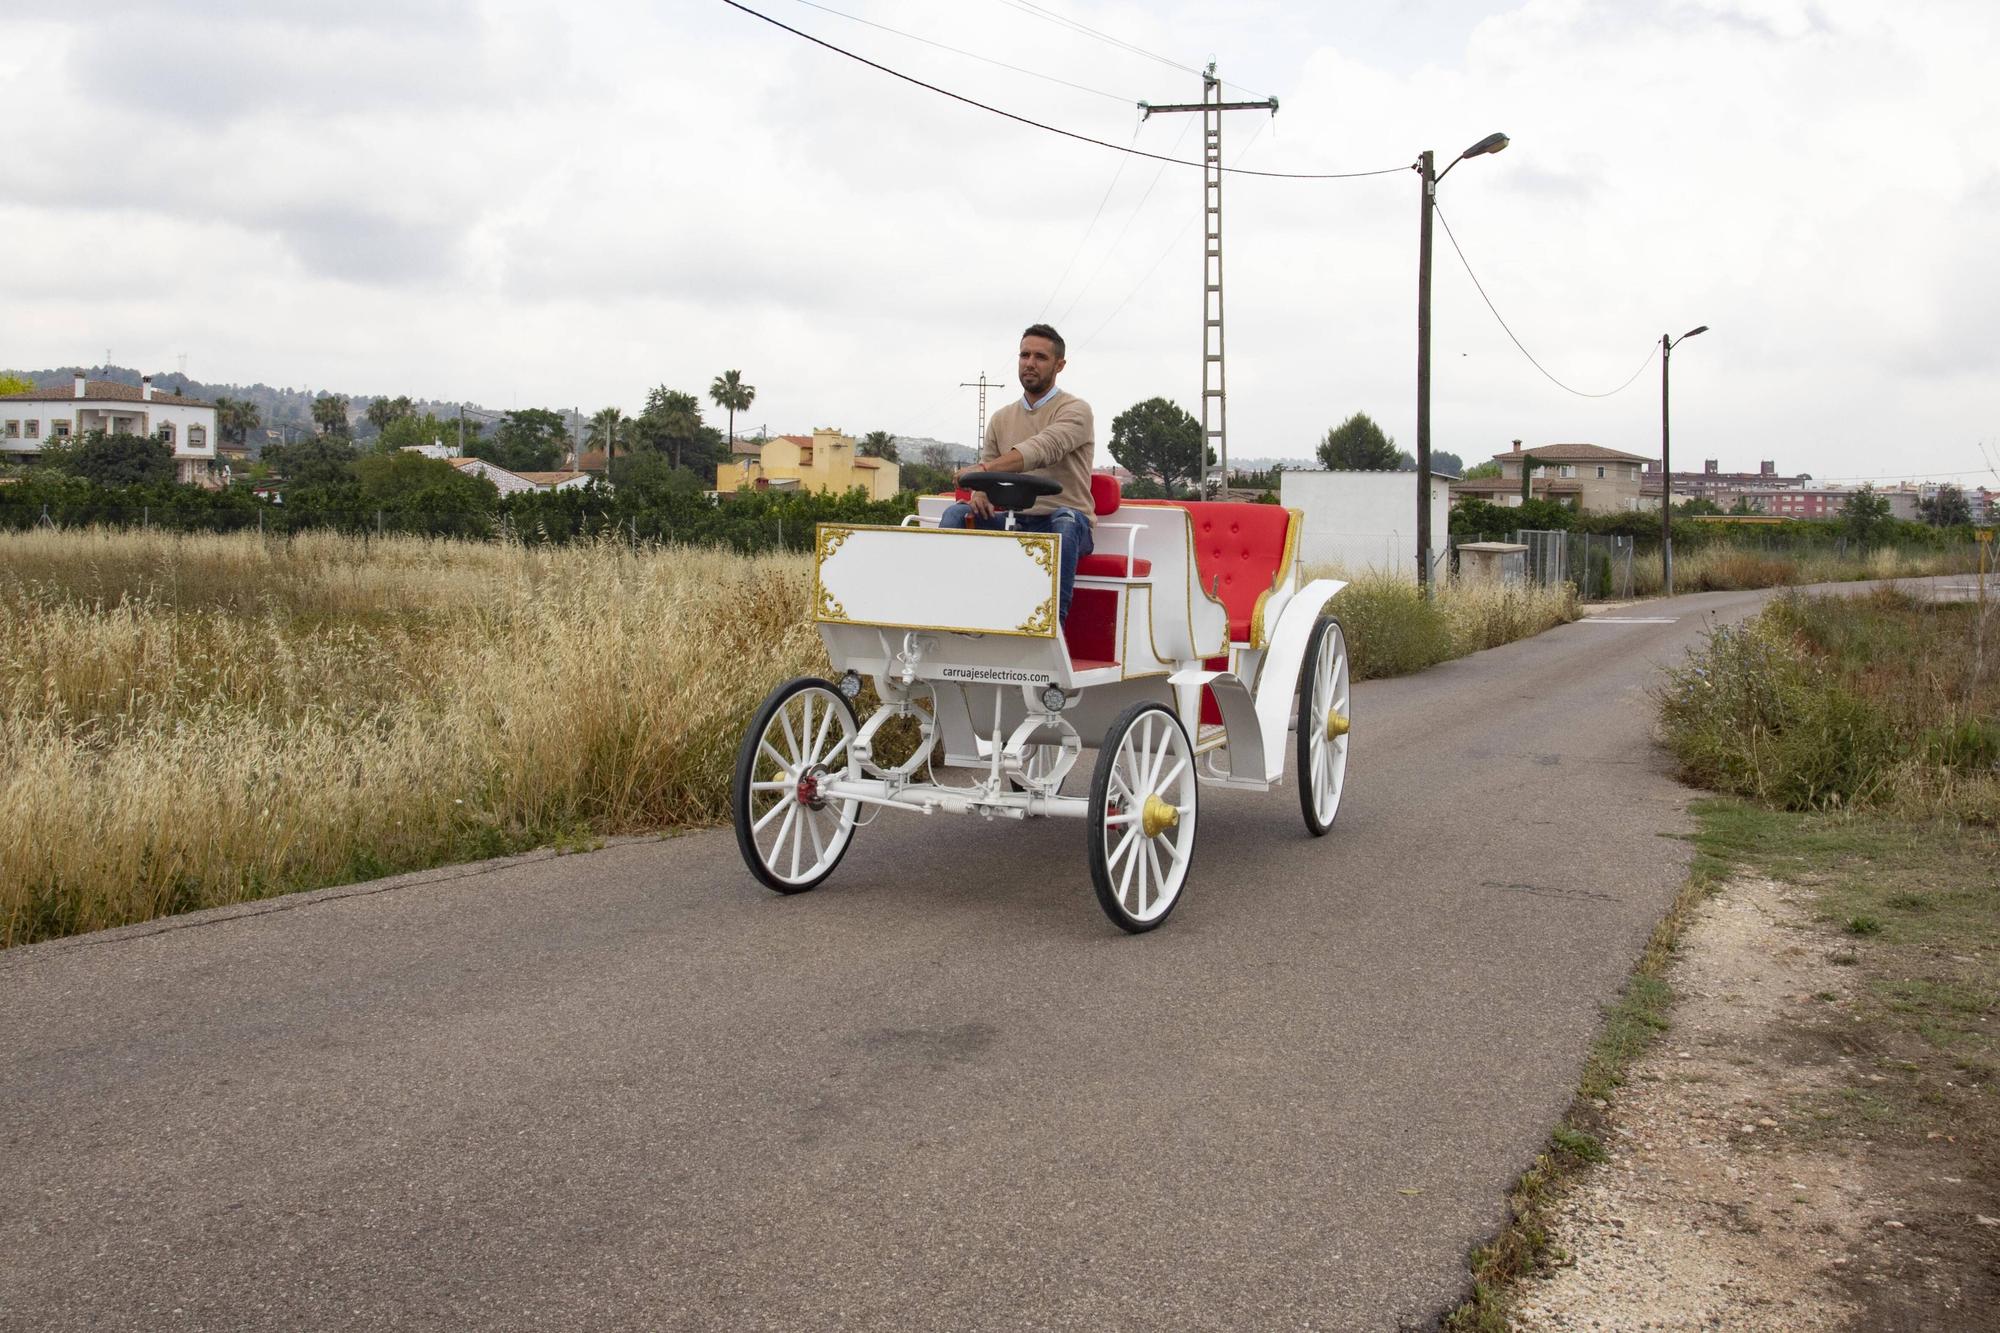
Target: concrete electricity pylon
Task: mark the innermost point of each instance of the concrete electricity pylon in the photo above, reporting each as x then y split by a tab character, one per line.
982	384
1214	393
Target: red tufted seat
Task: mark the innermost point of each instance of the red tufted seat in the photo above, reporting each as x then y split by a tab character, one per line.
1239	552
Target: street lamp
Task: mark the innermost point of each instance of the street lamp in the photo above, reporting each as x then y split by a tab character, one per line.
1492	143
1667	346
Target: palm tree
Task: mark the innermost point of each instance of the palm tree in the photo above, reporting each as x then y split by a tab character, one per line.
879	444
329	412
730	393
235	418
604	431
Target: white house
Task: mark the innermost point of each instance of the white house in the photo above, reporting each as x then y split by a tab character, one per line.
1366	522
512	483
29	420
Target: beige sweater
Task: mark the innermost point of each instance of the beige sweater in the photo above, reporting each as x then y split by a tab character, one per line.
1057	440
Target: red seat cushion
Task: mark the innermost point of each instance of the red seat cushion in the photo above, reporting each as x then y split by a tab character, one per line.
1239	551
1104	493
1112	566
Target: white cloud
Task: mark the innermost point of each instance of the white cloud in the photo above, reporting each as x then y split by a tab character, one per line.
513	204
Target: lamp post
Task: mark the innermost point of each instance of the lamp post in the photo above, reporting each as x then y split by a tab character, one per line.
1426	165
1667	345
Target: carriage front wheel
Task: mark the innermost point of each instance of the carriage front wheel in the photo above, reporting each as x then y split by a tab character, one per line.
1142	814
1324	701
790	832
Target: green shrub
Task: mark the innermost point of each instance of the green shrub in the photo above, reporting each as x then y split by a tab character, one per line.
1391	629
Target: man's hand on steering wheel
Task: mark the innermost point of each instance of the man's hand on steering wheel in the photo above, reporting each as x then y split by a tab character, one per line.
981	502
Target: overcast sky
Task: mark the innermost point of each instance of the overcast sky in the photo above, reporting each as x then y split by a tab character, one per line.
527	204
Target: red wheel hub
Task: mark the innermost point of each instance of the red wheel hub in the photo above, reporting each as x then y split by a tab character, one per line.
809	789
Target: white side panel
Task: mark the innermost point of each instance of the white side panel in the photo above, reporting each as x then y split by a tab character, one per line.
935	579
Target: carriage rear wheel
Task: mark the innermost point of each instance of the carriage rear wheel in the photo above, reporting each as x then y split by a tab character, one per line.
1324	700
790	832
1142	815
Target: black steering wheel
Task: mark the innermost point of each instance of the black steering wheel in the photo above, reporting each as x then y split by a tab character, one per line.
1010	491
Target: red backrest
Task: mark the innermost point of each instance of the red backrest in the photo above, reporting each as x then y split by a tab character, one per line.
1239	551
1104	493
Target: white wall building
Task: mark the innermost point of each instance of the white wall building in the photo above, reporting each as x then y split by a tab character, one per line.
30	420
1366	522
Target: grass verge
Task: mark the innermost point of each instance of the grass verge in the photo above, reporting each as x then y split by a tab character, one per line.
1856	731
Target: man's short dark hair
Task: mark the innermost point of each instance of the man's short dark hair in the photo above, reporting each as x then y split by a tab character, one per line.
1044	331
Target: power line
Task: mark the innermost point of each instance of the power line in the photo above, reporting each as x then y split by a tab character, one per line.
1034	10
1051	129
970	55
1119	239
1517	342
1171	247
1084	240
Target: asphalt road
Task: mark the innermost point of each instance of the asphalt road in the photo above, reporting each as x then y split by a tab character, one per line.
632	1089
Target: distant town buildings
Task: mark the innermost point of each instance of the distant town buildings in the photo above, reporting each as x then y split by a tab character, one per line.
1599	480
28	421
824	461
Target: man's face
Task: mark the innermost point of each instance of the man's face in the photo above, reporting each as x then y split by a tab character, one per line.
1039	366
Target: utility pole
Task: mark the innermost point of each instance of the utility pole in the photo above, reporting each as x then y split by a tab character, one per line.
1214	395
1426	167
982	384
1667	345
461	430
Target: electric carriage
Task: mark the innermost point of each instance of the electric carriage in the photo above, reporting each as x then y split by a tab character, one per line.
1191	647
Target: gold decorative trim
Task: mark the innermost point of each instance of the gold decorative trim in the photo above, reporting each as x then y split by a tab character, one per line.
1292	526
1039	546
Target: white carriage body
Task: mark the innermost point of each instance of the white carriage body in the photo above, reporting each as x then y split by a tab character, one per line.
1189	636
972	615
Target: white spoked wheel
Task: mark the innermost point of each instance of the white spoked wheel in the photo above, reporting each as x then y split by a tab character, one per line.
1142	816
790	833
1324	700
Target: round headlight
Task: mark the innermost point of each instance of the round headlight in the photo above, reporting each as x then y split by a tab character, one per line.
850	685
1053	698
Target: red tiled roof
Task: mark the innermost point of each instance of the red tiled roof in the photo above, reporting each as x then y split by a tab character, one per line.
1576	453
100	390
551	478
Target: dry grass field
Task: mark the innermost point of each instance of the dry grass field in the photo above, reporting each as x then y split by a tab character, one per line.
187	721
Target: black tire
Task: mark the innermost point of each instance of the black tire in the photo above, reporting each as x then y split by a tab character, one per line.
1111	893
1327	637
743	805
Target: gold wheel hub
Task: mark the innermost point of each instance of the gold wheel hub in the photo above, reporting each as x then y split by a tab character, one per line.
1156	816
1336	726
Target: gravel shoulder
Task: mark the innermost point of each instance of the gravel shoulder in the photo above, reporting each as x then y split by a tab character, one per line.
1731	1197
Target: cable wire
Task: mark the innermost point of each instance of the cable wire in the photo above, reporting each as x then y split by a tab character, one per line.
1084	240
1171	247
1034	10
1052	129
971	55
1517	342
1119	239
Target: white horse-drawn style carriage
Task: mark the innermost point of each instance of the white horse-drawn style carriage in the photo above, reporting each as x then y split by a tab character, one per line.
1189	639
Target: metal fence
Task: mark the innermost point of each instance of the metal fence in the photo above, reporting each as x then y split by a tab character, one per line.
1599	566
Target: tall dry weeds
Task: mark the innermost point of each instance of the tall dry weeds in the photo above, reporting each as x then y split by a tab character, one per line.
190	721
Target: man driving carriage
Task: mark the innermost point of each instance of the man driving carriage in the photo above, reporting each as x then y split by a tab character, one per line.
1050	434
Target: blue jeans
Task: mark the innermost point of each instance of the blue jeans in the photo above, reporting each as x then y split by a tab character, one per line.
1072	527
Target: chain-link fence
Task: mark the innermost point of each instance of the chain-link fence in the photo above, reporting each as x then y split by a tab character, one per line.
1599	566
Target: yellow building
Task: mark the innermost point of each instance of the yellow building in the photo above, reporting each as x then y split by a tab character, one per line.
822	461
